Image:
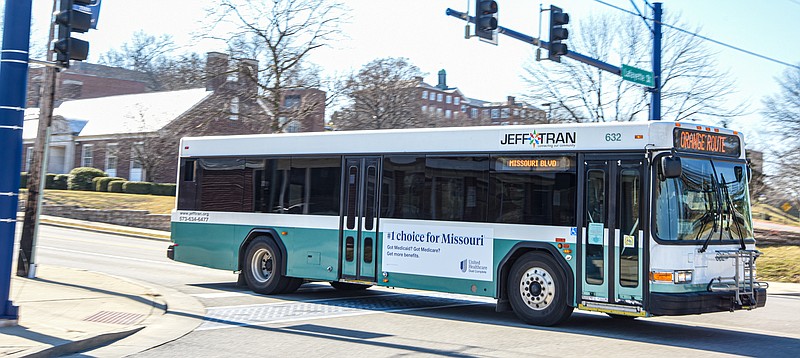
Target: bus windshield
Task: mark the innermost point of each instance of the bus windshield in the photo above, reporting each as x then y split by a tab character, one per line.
709	201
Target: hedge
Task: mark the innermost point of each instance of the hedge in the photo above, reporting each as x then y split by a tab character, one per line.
23	180
137	187
81	178
60	182
101	183
163	189
50	181
116	186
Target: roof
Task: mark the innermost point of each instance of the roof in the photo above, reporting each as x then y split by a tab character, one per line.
526	139
134	113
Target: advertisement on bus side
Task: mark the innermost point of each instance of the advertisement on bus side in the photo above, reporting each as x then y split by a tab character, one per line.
444	251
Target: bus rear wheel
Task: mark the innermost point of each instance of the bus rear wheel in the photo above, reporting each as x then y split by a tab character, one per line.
537	290
262	267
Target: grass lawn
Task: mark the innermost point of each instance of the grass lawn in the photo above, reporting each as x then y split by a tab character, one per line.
779	263
100	200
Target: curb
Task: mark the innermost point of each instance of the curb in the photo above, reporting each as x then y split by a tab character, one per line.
81	345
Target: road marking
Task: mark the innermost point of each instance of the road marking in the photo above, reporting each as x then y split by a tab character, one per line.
282	312
108	256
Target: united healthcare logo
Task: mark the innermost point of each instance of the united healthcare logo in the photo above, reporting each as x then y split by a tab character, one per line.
464	265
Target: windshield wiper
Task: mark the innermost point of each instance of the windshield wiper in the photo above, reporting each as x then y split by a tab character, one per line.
732	211
717	196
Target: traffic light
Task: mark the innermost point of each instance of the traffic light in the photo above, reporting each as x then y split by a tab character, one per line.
558	33
486	20
69	20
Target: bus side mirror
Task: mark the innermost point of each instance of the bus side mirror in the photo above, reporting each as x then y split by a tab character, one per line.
671	167
737	171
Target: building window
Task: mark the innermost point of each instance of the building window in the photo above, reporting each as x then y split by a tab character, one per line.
293	127
495	113
516	113
439	97
431	109
504	113
449	99
424	108
448	114
424	94
473	113
87	157
439	112
234	109
111	159
457	101
137	169
28	158
291	101
433	96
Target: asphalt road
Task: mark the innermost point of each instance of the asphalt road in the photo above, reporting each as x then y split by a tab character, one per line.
319	321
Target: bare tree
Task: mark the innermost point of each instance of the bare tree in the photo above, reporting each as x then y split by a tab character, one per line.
692	85
382	94
783	111
157	58
281	34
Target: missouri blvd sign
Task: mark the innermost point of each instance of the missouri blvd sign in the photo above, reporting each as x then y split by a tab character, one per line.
638	76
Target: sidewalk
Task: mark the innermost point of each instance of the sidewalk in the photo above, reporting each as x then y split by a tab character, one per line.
64	310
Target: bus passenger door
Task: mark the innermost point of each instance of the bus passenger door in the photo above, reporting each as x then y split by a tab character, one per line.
611	231
359	220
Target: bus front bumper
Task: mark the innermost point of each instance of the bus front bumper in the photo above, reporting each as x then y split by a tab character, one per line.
677	304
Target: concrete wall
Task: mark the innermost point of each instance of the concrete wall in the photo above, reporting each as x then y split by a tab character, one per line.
130	218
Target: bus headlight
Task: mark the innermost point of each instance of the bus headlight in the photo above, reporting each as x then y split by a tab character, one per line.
677	276
682	276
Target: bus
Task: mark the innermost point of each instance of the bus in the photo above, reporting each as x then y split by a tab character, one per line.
628	219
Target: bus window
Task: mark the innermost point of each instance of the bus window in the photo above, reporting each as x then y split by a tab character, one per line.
456	188
629	226
595	214
403	187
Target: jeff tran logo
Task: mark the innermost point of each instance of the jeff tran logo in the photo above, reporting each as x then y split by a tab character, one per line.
539	139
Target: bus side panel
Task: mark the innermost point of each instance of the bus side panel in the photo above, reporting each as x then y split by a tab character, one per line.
311	253
210	245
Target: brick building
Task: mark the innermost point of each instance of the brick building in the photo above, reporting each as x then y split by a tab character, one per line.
450	104
87	80
136	136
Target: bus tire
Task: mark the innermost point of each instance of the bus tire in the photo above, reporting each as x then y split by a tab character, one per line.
262	267
537	290
347	286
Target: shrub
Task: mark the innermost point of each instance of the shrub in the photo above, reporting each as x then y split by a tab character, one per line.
60	181
49	181
101	183
137	187
163	189
81	178
23	180
116	186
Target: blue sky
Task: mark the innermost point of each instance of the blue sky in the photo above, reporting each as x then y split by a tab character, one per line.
419	30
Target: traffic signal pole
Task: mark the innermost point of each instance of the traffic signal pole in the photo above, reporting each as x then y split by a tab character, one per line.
13	82
655	92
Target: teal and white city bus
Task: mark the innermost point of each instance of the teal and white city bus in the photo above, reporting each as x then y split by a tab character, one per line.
629	219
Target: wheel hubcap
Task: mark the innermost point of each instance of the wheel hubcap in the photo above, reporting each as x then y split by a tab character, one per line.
537	288
261	265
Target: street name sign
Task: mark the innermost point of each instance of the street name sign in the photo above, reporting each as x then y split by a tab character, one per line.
638	76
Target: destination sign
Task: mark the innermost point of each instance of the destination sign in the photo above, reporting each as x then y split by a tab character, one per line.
706	142
538	163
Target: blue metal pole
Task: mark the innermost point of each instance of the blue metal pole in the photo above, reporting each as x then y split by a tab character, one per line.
13	81
655	94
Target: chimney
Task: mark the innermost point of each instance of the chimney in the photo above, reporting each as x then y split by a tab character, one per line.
442	80
248	75
510	100
216	70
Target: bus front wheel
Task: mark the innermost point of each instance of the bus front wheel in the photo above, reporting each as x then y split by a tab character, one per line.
537	290
262	267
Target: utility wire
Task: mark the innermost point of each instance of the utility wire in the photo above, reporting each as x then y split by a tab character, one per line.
707	38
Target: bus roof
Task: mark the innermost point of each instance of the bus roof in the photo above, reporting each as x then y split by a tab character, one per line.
613	136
